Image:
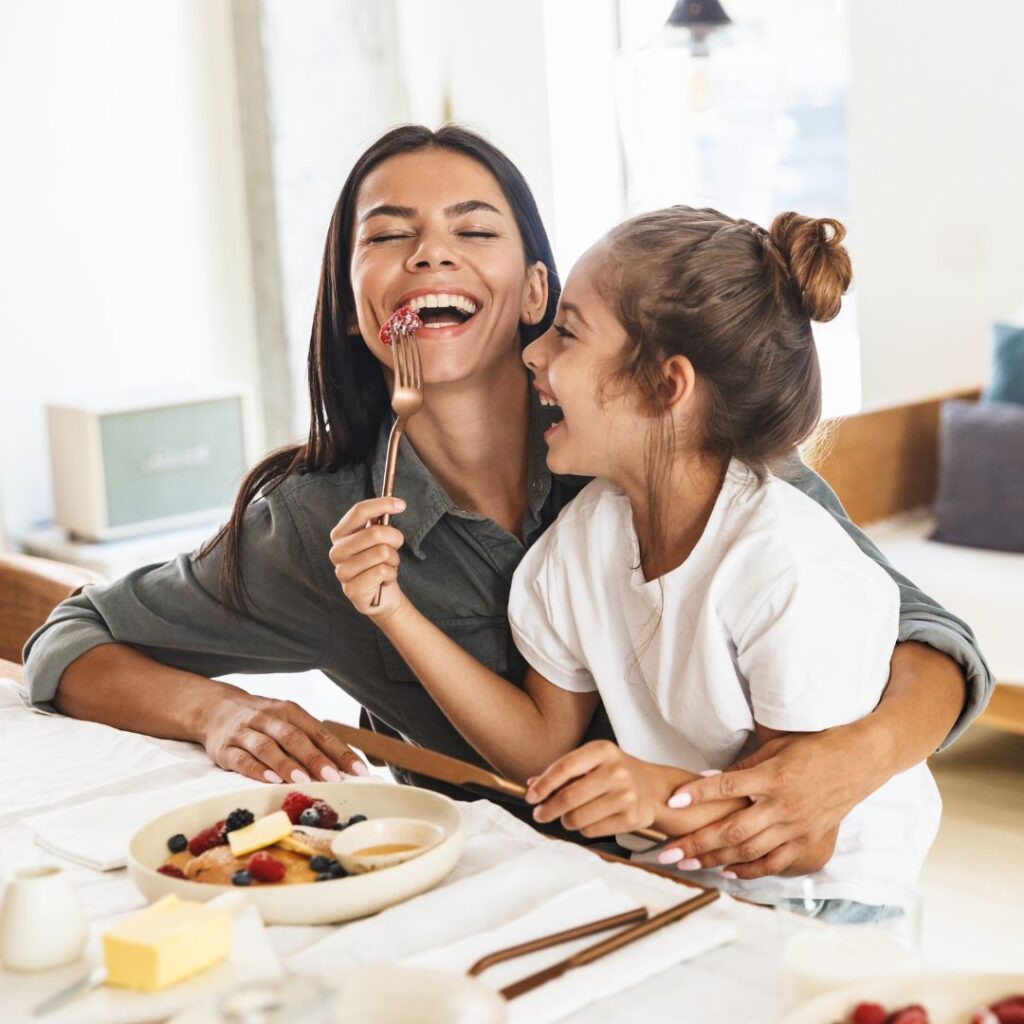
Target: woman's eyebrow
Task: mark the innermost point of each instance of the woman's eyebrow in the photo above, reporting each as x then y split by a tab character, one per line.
470	206
408	212
388	210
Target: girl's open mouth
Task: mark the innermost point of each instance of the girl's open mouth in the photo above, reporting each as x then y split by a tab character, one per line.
548	401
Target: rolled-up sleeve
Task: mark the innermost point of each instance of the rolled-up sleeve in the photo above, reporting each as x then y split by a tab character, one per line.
922	619
175	612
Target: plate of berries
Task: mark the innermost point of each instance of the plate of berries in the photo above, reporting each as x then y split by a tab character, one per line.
276	843
947	998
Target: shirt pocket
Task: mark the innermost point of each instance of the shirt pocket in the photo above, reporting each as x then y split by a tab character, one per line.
487	638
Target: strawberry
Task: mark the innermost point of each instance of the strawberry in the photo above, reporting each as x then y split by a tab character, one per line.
294	804
265	868
171	871
328	815
207	839
915	1014
868	1013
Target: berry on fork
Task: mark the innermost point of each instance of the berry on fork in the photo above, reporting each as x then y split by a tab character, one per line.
207	839
294	804
403	319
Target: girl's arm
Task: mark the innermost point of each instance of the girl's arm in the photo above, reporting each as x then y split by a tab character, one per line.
519	731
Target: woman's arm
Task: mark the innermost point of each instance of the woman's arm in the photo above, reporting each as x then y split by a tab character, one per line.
519	731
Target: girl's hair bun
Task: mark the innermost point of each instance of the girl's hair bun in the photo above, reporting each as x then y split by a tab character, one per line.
818	263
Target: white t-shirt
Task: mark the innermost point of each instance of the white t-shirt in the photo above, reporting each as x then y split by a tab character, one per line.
775	617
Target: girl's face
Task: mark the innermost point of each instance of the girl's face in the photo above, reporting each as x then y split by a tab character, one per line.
434	231
602	431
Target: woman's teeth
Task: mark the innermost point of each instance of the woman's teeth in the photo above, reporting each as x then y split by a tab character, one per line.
443	309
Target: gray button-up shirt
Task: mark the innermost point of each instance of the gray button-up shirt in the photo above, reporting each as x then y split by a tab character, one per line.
456	567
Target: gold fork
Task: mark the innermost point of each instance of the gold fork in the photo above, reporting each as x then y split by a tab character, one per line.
406	400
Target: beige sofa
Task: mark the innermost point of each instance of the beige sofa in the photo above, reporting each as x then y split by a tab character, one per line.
883	464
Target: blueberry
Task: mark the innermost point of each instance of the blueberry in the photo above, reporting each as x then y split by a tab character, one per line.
340	825
319	863
241	878
324	876
310	816
177	843
336	870
356	818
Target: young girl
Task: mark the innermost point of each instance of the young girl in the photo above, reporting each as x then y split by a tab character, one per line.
710	605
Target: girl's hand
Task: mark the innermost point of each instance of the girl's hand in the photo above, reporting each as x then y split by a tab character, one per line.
800	786
364	556
598	790
272	740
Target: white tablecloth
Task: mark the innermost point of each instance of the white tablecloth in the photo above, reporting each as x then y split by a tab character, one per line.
738	981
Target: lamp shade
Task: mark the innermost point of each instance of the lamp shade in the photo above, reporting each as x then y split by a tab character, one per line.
698	14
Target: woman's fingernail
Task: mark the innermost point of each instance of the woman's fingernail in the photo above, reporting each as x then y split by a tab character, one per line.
690	864
358	768
330	774
272	776
731	875
399	504
531	796
680	800
670	856
300	776
710	772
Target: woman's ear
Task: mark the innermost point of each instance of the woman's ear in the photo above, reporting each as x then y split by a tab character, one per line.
679	383
535	293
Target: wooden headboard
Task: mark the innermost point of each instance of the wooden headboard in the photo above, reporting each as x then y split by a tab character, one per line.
884	461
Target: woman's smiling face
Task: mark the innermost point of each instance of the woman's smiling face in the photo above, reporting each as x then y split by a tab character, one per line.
433	230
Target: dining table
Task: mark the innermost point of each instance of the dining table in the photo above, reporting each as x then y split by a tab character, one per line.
75	791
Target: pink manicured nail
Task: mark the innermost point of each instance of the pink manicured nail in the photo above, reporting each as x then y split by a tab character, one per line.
330	774
300	776
731	875
710	772
358	768
690	864
272	776
680	800
670	856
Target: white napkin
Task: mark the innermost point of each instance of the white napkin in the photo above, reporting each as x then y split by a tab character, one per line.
96	833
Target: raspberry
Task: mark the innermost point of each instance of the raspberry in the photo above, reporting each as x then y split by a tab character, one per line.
170	871
328	815
1010	1011
294	804
868	1013
265	868
915	1014
984	1016
207	839
238	818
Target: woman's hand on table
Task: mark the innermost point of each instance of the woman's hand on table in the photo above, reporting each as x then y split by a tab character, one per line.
365	557
273	741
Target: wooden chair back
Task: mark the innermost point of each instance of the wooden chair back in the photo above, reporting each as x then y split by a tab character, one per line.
30	588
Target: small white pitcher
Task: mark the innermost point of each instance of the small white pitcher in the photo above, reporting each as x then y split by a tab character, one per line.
42	924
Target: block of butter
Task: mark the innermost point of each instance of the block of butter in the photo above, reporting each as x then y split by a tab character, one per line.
166	943
262	832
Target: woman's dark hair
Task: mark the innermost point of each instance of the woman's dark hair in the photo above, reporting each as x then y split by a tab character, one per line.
348	394
737	301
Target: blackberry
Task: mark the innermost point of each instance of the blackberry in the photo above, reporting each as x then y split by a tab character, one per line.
319	863
241	878
177	843
310	816
238	819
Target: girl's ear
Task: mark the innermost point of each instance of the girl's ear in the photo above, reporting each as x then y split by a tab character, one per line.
679	383
535	293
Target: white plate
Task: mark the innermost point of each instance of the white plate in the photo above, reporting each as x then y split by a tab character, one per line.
317	902
949	998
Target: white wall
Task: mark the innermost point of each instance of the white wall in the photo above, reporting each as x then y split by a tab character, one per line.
123	243
937	152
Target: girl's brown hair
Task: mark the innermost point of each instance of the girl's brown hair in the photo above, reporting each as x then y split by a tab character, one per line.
737	301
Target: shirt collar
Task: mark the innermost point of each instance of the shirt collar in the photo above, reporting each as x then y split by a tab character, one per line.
426	501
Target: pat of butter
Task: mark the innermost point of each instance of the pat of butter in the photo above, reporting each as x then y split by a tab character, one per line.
262	832
166	943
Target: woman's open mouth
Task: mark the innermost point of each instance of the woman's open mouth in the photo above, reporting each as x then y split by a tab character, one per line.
442	312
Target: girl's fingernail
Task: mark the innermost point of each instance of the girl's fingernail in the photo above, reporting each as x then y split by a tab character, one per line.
680	800
358	768
330	774
300	776
731	875
670	856
272	776
690	864
710	772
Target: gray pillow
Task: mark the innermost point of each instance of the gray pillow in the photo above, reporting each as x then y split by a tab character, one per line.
980	500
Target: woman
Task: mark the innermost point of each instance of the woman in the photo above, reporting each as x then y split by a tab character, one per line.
425	213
